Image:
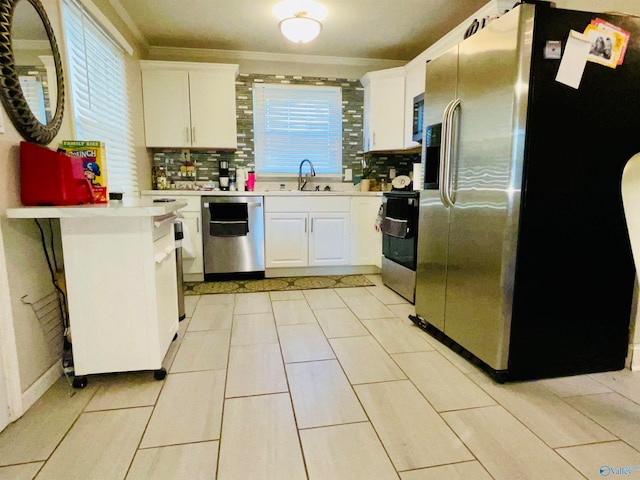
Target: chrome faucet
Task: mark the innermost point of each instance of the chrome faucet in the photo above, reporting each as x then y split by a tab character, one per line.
302	183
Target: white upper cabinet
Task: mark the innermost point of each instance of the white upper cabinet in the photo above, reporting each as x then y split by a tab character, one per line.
384	117
189	105
413	86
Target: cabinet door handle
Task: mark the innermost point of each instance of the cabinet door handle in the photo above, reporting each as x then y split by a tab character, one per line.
305	225
186	135
198	227
374	139
193	135
312	225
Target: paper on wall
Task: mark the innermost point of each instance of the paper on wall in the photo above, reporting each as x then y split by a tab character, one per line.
574	59
417	176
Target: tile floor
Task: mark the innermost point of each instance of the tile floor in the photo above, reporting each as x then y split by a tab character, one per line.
323	385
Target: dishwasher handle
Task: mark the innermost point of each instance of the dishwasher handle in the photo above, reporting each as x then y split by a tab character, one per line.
248	204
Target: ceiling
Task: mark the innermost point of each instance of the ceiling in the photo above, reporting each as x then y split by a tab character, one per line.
371	29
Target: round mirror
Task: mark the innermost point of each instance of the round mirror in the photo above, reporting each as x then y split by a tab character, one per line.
31	80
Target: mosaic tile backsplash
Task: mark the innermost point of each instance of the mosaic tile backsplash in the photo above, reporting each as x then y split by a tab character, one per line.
206	161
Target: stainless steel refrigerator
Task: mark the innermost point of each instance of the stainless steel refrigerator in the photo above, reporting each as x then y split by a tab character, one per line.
524	261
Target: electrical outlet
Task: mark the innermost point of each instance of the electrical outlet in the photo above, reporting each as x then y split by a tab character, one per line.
348	174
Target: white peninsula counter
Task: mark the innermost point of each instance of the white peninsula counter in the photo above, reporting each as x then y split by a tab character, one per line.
120	273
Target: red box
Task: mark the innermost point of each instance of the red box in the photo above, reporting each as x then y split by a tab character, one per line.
48	177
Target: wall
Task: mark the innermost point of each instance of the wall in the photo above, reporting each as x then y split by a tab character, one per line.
612	6
206	162
24	268
278	64
32	362
118	23
631	7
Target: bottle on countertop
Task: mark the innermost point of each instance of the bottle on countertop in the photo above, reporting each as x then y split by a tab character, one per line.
241	179
161	179
251	181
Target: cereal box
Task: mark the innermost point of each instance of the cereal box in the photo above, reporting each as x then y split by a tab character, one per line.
94	162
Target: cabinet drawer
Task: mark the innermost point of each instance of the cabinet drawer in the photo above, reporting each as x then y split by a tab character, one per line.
316	203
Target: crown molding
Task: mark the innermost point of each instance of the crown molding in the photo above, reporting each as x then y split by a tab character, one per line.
233	56
131	25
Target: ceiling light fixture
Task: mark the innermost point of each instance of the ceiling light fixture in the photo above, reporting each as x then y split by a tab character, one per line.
300	19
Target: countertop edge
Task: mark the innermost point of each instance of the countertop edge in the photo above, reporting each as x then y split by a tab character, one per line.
131	208
263	193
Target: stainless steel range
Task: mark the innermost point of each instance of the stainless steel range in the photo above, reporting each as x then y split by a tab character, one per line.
399	241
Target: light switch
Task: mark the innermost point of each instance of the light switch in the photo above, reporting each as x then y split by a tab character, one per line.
348	174
553	50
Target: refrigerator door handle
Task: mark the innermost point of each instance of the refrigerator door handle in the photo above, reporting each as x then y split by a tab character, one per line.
449	140
445	156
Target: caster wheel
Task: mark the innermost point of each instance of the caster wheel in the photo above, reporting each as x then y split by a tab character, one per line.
160	374
175	337
80	382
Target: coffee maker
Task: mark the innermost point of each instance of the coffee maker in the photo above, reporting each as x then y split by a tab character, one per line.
224	175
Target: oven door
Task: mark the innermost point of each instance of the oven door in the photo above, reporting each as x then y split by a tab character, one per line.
400	250
400	228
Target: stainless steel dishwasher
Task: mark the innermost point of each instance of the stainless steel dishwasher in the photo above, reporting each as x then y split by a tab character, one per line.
233	237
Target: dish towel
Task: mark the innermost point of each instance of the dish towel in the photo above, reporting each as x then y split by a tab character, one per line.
394	227
187	244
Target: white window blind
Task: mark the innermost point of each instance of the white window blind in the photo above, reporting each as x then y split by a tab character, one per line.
100	94
294	122
34	95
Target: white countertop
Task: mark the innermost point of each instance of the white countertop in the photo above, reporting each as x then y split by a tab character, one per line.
129	207
179	192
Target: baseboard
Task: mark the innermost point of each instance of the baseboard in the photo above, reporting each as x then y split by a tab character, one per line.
193	277
40	386
633	358
333	270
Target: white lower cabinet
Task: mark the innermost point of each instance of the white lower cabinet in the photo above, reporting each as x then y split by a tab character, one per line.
286	240
307	232
365	240
123	304
328	239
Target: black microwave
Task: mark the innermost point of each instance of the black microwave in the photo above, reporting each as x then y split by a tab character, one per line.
418	112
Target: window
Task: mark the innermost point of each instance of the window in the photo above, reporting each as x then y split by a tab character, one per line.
297	122
99	94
